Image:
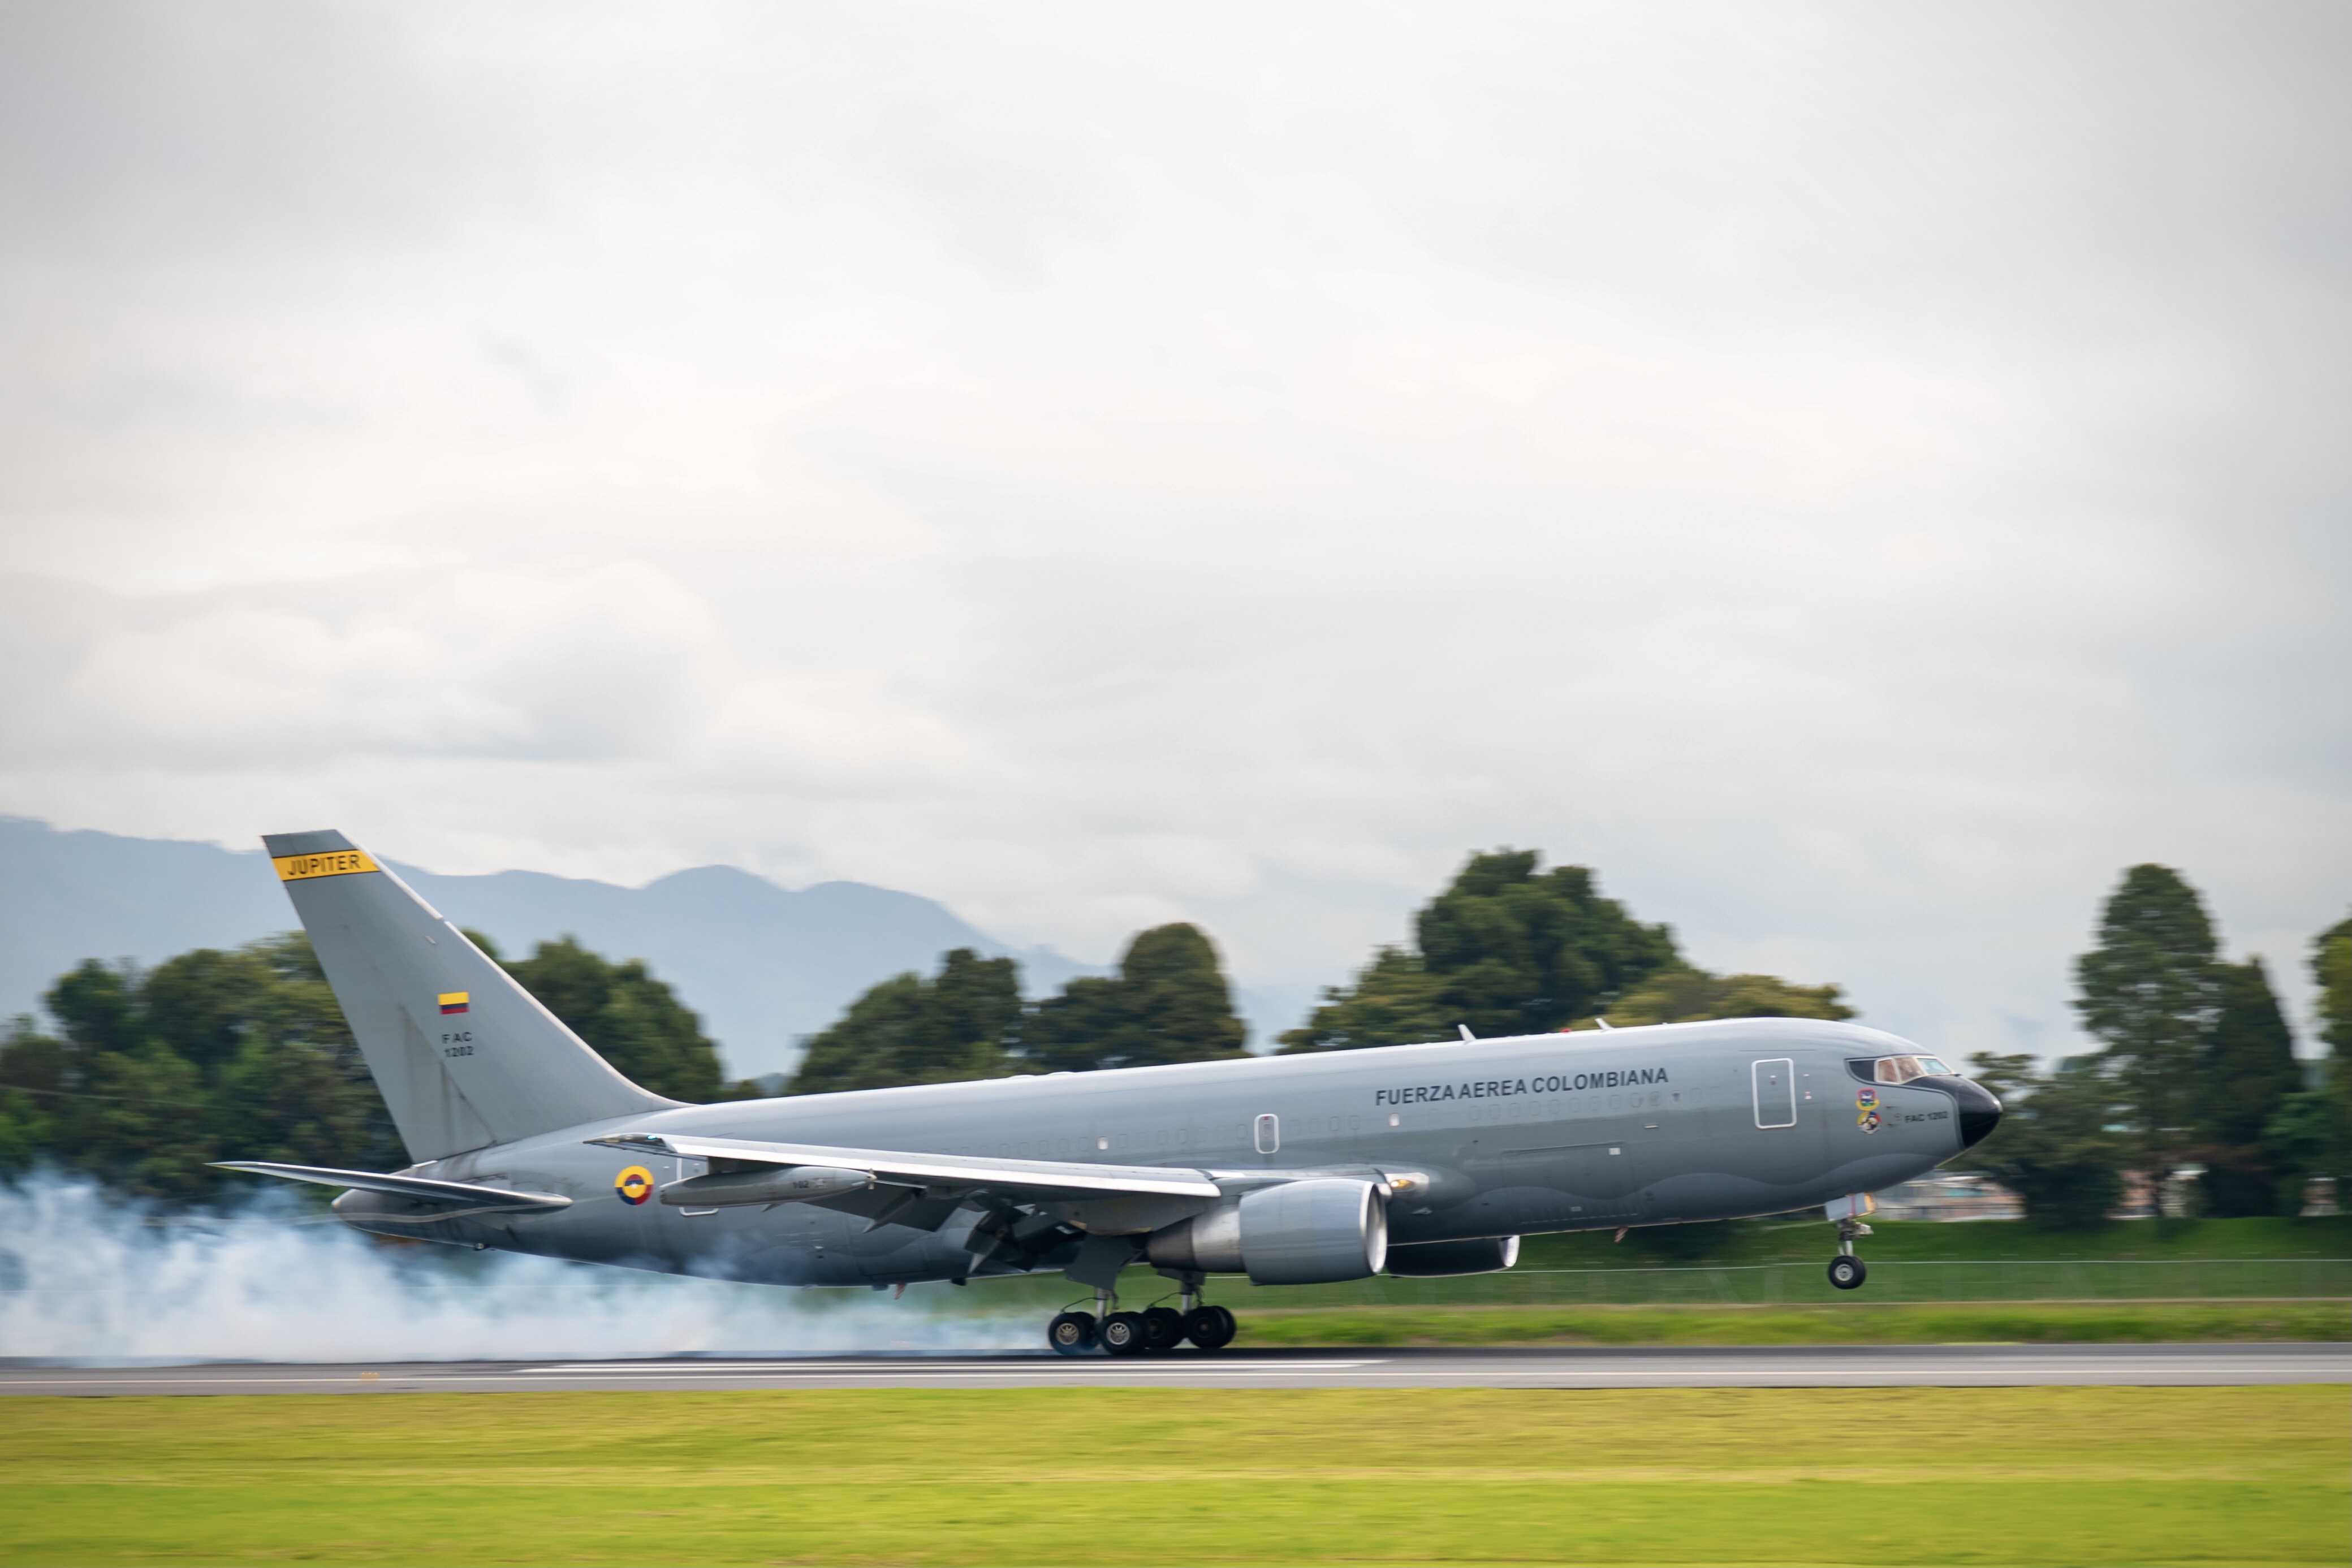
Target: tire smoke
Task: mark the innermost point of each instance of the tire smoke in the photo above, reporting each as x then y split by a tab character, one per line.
88	1278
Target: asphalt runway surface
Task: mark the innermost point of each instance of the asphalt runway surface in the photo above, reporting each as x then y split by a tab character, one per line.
1946	1367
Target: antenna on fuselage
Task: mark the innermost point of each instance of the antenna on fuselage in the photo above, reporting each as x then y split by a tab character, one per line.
1466	1031
1604	1022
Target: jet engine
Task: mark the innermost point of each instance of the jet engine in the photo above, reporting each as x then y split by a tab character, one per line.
1436	1260
1300	1233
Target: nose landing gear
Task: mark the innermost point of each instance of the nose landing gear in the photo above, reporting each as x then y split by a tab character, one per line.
1151	1332
1847	1271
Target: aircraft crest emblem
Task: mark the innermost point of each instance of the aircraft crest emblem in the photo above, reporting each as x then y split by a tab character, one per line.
1865	1108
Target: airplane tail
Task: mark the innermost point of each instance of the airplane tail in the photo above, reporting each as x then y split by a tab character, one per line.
465	1057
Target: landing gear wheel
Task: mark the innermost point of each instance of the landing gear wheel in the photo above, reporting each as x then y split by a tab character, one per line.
1072	1334
1846	1272
1123	1333
1163	1329
1211	1328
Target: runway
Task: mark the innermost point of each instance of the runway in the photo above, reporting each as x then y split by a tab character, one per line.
1947	1367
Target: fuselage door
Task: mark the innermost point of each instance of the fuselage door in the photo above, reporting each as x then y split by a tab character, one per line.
1269	1134
1776	1092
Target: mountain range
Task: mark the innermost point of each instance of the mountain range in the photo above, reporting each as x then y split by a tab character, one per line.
763	965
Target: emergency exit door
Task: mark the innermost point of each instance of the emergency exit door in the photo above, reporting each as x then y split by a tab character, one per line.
1776	1092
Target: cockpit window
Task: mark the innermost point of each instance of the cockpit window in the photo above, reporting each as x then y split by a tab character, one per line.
1898	1068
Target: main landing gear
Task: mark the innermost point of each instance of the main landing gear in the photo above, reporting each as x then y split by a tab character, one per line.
1847	1271
1151	1332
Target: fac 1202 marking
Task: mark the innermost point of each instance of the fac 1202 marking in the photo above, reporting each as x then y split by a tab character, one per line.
459	1044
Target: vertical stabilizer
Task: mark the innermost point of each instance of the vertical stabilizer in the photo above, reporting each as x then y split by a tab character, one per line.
463	1056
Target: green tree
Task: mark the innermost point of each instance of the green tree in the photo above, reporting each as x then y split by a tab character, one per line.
2054	1147
2314	1136
1507	948
209	1055
99	1006
909	1029
30	1069
2149	991
1681	995
246	1054
1169	1003
2331	966
123	1105
632	1019
2249	1069
295	1087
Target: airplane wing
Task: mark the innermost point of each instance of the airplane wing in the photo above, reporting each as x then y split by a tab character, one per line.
1065	1179
462	1194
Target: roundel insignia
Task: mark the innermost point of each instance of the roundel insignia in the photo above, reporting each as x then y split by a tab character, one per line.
635	1185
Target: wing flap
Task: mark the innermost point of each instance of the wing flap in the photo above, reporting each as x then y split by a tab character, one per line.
936	1170
464	1194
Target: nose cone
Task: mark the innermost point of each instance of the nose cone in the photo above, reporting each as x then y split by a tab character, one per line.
1979	1112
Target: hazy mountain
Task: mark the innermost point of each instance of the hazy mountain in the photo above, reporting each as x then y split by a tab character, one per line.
761	964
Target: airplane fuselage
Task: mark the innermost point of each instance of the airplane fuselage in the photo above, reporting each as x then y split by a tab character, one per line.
1662	1124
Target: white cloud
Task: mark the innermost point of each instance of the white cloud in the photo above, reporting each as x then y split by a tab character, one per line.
1857	478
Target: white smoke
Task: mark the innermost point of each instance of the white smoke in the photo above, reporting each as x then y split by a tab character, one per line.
87	1278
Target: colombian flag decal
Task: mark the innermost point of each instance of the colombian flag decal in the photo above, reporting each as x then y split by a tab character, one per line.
454	1001
635	1185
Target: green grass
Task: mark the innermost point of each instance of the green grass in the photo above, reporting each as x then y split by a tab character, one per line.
1776	1264
1990	1322
2089	1476
1796	1240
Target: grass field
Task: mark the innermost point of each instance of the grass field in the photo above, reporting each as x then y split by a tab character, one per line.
2019	1323
1773	1264
2091	1476
1922	1241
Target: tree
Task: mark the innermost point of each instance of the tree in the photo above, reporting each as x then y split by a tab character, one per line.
2249	1069
31	1073
2054	1147
123	1106
1507	949
246	1054
2149	991
1167	1003
907	1029
2331	966
209	1055
2312	1134
1681	995
632	1019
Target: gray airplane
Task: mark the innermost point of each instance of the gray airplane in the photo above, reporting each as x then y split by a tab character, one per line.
1421	1160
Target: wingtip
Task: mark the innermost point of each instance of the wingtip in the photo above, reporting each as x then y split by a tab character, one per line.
318	841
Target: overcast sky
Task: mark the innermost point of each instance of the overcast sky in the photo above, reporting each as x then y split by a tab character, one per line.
1856	476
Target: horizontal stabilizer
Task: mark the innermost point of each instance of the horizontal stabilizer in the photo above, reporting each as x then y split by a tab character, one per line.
1060	1176
463	1194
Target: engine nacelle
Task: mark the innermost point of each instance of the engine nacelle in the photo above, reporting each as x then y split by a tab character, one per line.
768	1184
1436	1260
1301	1233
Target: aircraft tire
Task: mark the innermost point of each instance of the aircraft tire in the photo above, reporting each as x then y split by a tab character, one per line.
1847	1273
1123	1333
1163	1329
1211	1328
1072	1334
